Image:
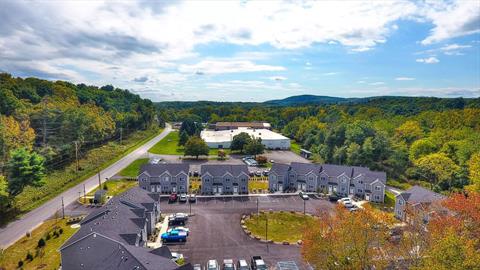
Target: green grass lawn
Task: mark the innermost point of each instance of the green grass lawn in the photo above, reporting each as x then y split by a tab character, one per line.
257	185
282	226
60	180
195	184
115	187
388	204
169	146
133	169
398	184
295	147
46	258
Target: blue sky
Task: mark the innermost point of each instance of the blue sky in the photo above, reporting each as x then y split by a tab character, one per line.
248	50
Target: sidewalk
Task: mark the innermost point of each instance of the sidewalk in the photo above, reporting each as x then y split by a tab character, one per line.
162	227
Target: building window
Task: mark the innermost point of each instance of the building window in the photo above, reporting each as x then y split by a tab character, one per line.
227	179
359	190
344	180
206	180
244	179
360	182
343	188
377	187
166	178
323	178
377	197
400	202
310	178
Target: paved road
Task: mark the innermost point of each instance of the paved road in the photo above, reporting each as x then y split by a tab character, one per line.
15	230
394	190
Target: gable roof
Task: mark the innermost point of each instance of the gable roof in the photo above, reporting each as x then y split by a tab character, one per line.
156	170
418	194
304	168
337	170
280	168
218	170
97	251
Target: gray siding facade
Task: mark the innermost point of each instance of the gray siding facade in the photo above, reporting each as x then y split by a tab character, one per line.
164	178
224	179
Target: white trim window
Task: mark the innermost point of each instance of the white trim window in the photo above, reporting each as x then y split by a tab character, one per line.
378	187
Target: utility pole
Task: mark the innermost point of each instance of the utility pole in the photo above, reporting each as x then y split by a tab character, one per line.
76	154
121	135
44	139
84	195
257	208
99	180
63	209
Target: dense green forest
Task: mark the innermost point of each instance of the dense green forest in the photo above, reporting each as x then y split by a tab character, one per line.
45	126
432	140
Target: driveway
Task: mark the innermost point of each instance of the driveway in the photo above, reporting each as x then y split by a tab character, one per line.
215	231
17	229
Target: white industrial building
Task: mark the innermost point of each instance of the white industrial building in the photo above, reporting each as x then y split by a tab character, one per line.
223	138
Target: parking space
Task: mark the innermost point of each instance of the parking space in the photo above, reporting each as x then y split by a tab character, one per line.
216	233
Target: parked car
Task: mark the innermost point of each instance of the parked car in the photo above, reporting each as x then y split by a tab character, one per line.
174	236
192	198
180	229
257	263
272	161
228	264
196	174
183	198
155	160
213	265
176	256
333	198
173	198
197	266
242	265
258	173
344	200
175	221
265	173
303	195
354	208
348	204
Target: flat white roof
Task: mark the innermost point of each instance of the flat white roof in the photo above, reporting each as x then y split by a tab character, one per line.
227	135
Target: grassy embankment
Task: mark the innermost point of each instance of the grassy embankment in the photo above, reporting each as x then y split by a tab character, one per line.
169	146
60	180
282	226
47	257
295	147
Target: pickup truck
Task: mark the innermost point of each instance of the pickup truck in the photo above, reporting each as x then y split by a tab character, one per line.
174	236
258	263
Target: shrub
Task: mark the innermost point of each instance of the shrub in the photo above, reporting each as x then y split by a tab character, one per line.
105	187
60	231
20	263
47	237
28	234
41	243
29	256
261	160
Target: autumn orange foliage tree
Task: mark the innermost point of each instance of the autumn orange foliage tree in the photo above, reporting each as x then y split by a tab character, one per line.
347	240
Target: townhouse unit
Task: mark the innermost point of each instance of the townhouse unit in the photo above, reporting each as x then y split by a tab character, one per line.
224	179
115	235
328	178
164	178
417	201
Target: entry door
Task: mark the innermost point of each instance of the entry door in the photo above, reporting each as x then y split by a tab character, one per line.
367	197
174	189
280	187
159	188
352	190
219	190
299	186
330	189
235	189
152	188
214	189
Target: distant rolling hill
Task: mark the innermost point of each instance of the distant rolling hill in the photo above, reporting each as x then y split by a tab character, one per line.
312	99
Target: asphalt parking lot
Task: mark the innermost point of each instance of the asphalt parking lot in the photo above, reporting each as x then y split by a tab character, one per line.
216	233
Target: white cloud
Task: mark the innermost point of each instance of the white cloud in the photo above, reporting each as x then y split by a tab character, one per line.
376	83
225	66
329	73
404	79
451	19
308	64
361	82
429	60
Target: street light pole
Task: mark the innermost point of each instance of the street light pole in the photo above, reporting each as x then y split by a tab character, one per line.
304	203
266	230
257	207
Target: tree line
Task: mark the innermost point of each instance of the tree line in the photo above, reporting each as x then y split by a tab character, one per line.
44	125
426	140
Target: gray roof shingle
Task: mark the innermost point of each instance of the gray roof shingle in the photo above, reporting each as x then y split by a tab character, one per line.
280	168
304	168
418	194
218	170
158	169
336	170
